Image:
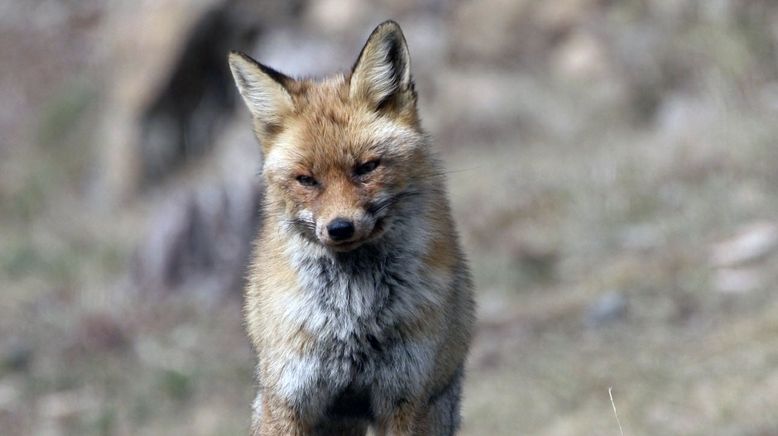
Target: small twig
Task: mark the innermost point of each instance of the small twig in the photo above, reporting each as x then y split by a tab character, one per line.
618	421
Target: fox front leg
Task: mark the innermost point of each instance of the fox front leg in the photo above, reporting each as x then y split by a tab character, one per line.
402	421
437	416
441	416
272	417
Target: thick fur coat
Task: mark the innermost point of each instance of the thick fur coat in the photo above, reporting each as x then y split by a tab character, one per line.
359	302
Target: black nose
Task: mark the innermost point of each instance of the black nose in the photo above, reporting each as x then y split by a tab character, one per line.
340	229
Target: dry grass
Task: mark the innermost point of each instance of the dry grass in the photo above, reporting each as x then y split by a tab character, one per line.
635	219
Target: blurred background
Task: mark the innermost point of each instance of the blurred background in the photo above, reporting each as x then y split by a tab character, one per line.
613	167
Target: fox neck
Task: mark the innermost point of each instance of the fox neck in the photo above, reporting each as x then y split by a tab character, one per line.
368	288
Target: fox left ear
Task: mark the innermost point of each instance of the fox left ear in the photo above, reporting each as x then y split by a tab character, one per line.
264	90
382	73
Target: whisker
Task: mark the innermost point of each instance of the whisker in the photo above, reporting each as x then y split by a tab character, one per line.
461	170
302	224
442	173
390	201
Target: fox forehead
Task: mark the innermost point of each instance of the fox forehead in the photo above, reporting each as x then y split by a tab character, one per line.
329	129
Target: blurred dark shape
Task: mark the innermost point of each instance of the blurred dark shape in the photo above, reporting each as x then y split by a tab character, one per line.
606	309
176	384
17	356
100	332
201	238
536	262
199	235
197	100
190	110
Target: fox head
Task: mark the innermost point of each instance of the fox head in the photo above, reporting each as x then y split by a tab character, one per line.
342	155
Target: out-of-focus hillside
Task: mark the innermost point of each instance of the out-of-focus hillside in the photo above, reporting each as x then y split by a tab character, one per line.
613	167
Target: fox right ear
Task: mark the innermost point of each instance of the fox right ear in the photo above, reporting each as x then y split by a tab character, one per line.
382	73
262	88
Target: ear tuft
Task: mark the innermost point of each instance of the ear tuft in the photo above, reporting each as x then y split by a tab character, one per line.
264	90
382	73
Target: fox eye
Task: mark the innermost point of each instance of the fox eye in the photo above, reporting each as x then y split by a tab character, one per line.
307	180
367	167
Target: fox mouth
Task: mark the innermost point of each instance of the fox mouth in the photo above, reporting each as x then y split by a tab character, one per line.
378	230
308	228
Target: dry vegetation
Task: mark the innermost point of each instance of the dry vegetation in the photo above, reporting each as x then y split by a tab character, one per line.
613	167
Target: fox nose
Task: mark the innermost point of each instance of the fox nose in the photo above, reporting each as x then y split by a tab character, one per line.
340	229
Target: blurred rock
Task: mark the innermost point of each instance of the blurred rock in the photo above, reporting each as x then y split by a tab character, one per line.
64	405
170	92
737	280
196	98
523	32
489	30
174	139
679	115
605	310
753	242
581	57
12	407
336	16
141	47
9	397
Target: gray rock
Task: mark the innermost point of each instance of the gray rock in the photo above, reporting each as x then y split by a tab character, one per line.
607	309
17	356
752	243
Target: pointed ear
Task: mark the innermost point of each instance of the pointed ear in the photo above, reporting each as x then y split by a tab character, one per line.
263	89
382	73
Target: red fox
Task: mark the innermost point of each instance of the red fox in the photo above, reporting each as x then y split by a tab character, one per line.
359	302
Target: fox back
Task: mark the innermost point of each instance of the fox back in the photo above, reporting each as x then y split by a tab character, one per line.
359	302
